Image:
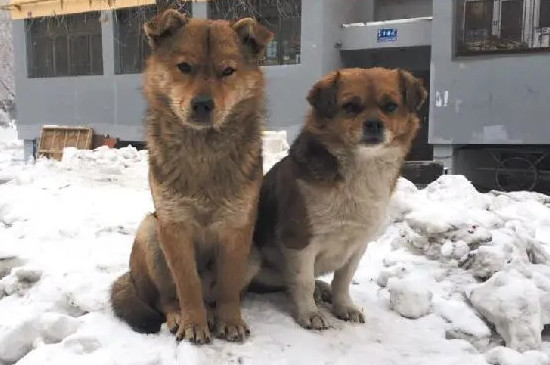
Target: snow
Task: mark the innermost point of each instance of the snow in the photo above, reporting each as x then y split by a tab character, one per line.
409	297
472	268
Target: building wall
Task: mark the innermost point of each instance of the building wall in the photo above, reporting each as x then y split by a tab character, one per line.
497	99
113	104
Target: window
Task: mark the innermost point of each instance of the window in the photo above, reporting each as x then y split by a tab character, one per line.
544	14
501	26
131	46
68	45
282	17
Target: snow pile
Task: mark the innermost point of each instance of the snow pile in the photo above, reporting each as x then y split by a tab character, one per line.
488	258
11	152
458	278
5	120
409	297
275	147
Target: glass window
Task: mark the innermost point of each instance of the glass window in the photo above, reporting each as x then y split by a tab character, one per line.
282	17
130	43
68	45
544	14
503	26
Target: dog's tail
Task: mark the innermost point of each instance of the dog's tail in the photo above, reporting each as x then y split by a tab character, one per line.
131	308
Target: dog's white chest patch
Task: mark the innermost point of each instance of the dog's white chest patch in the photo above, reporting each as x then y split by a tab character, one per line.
343	220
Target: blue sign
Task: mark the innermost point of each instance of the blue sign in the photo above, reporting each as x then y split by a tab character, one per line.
386	35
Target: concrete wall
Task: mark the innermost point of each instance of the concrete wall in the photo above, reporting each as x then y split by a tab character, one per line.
403	9
113	104
498	99
410	33
109	103
335	14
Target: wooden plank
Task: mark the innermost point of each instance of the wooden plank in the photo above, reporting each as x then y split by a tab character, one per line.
53	139
24	9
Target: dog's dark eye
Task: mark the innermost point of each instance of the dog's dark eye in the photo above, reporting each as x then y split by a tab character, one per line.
184	67
351	108
389	107
228	71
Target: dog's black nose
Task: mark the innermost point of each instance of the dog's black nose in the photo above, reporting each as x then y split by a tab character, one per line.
373	131
373	126
202	106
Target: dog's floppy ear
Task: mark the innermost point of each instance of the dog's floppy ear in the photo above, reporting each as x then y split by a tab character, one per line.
413	92
253	36
163	25
323	95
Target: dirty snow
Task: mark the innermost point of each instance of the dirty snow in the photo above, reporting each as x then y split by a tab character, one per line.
458	278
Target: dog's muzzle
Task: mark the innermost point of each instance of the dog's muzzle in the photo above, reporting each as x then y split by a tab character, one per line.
202	107
373	132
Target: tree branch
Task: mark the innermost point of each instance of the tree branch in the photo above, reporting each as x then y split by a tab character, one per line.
7	88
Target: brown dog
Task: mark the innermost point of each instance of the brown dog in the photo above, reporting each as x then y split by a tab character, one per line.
322	204
205	93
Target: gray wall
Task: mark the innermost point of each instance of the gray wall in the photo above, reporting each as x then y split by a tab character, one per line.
113	104
411	33
109	103
500	99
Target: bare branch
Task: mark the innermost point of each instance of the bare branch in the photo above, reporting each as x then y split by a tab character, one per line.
7	88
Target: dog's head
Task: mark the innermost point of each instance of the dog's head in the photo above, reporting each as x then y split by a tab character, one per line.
366	107
203	69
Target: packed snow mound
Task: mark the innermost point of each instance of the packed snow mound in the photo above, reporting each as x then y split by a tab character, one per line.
409	297
11	152
5	119
459	277
489	254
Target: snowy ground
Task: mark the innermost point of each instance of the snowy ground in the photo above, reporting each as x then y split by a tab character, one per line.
459	277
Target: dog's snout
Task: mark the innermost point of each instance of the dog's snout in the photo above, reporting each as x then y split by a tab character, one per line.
202	106
373	131
374	126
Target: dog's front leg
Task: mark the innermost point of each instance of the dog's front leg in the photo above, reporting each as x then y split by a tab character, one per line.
177	243
342	304
232	263
300	279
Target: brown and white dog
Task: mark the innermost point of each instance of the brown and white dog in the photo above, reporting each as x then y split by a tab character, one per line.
322	204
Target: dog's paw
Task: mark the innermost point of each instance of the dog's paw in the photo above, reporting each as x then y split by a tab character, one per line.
349	313
233	332
195	333
172	320
312	321
192	332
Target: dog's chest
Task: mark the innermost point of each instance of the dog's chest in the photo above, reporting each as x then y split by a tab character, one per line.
344	219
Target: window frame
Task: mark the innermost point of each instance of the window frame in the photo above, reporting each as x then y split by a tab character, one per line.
495	45
257	9
134	30
58	33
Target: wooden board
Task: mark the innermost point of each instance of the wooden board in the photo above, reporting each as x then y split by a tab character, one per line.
24	9
54	138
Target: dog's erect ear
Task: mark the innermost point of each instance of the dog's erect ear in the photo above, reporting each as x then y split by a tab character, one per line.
253	36
163	25
323	95
414	93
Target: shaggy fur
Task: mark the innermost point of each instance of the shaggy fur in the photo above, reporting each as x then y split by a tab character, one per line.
205	93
